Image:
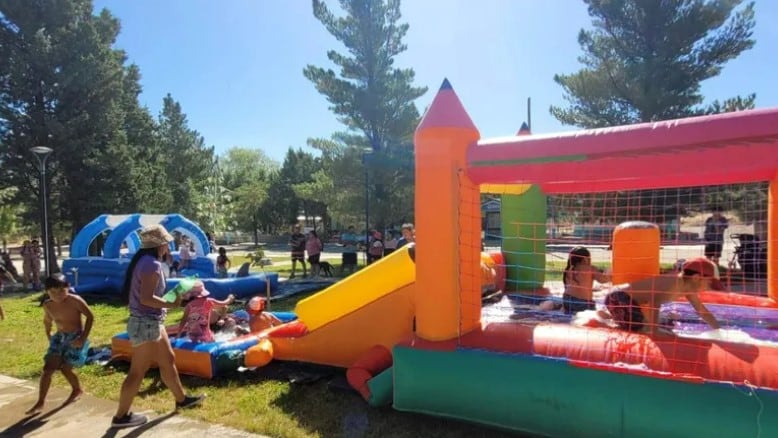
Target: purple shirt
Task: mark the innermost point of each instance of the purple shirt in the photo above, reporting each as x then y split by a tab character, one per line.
146	265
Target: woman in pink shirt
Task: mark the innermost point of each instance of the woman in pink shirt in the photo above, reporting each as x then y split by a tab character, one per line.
314	247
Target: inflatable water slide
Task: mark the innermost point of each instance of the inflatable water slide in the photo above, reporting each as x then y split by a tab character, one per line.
373	307
335	327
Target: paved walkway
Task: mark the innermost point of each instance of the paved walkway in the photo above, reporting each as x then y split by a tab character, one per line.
87	417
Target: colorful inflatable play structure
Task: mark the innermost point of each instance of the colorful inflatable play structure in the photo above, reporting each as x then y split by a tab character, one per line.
105	273
413	333
556	379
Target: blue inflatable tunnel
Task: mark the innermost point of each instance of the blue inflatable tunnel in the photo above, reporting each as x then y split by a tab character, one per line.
105	222
127	230
176	222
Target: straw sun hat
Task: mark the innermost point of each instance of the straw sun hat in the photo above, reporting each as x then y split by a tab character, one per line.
154	236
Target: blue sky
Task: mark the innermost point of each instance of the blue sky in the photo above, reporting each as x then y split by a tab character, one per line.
236	66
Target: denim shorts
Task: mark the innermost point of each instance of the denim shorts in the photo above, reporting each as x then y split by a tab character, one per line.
144	329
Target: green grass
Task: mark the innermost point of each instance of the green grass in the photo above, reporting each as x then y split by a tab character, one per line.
251	401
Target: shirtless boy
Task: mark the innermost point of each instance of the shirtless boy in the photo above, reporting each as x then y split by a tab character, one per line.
624	304
66	344
260	320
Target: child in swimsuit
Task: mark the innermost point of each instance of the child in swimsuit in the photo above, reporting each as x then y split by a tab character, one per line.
222	263
260	320
625	304
68	345
578	278
196	322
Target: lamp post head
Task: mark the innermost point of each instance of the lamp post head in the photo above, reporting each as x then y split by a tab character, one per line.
41	150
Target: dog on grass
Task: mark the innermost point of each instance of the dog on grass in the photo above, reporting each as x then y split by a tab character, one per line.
325	269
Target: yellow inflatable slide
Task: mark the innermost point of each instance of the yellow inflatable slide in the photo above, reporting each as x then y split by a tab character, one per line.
339	324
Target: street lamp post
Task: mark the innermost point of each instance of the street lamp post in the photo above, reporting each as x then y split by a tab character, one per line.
42	154
365	153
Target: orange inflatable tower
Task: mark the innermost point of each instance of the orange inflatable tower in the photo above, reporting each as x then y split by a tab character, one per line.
448	222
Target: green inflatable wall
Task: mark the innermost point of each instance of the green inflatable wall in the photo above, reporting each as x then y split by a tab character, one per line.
381	388
552	398
523	223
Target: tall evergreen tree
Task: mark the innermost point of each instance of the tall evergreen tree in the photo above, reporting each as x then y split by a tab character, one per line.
189	163
60	86
372	98
148	167
644	60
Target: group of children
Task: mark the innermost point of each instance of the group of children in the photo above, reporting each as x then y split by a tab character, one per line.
635	307
203	316
379	247
72	319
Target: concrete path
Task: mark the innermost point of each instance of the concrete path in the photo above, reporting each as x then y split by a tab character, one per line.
88	417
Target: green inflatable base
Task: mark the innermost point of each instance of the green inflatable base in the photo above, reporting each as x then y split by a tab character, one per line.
552	398
381	389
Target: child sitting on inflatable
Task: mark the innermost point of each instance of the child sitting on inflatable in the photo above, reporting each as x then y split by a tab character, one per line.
196	322
578	279
260	320
225	322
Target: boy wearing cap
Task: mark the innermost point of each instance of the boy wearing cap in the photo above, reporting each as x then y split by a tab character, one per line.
67	346
626	305
260	320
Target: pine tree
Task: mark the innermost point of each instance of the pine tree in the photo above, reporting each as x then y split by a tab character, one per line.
644	60
60	86
189	163
372	98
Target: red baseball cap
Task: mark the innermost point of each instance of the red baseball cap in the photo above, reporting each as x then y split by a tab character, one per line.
706	269
257	305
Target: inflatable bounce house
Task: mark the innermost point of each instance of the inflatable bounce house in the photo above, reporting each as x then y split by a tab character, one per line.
105	273
558	379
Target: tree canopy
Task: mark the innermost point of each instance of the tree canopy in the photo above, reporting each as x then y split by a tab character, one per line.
64	85
375	102
644	60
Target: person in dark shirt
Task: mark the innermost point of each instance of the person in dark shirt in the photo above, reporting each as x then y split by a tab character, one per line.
297	243
714	235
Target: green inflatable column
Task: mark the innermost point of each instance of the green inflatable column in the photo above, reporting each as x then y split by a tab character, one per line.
524	239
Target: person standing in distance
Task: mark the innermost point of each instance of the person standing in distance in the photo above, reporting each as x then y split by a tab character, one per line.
714	235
